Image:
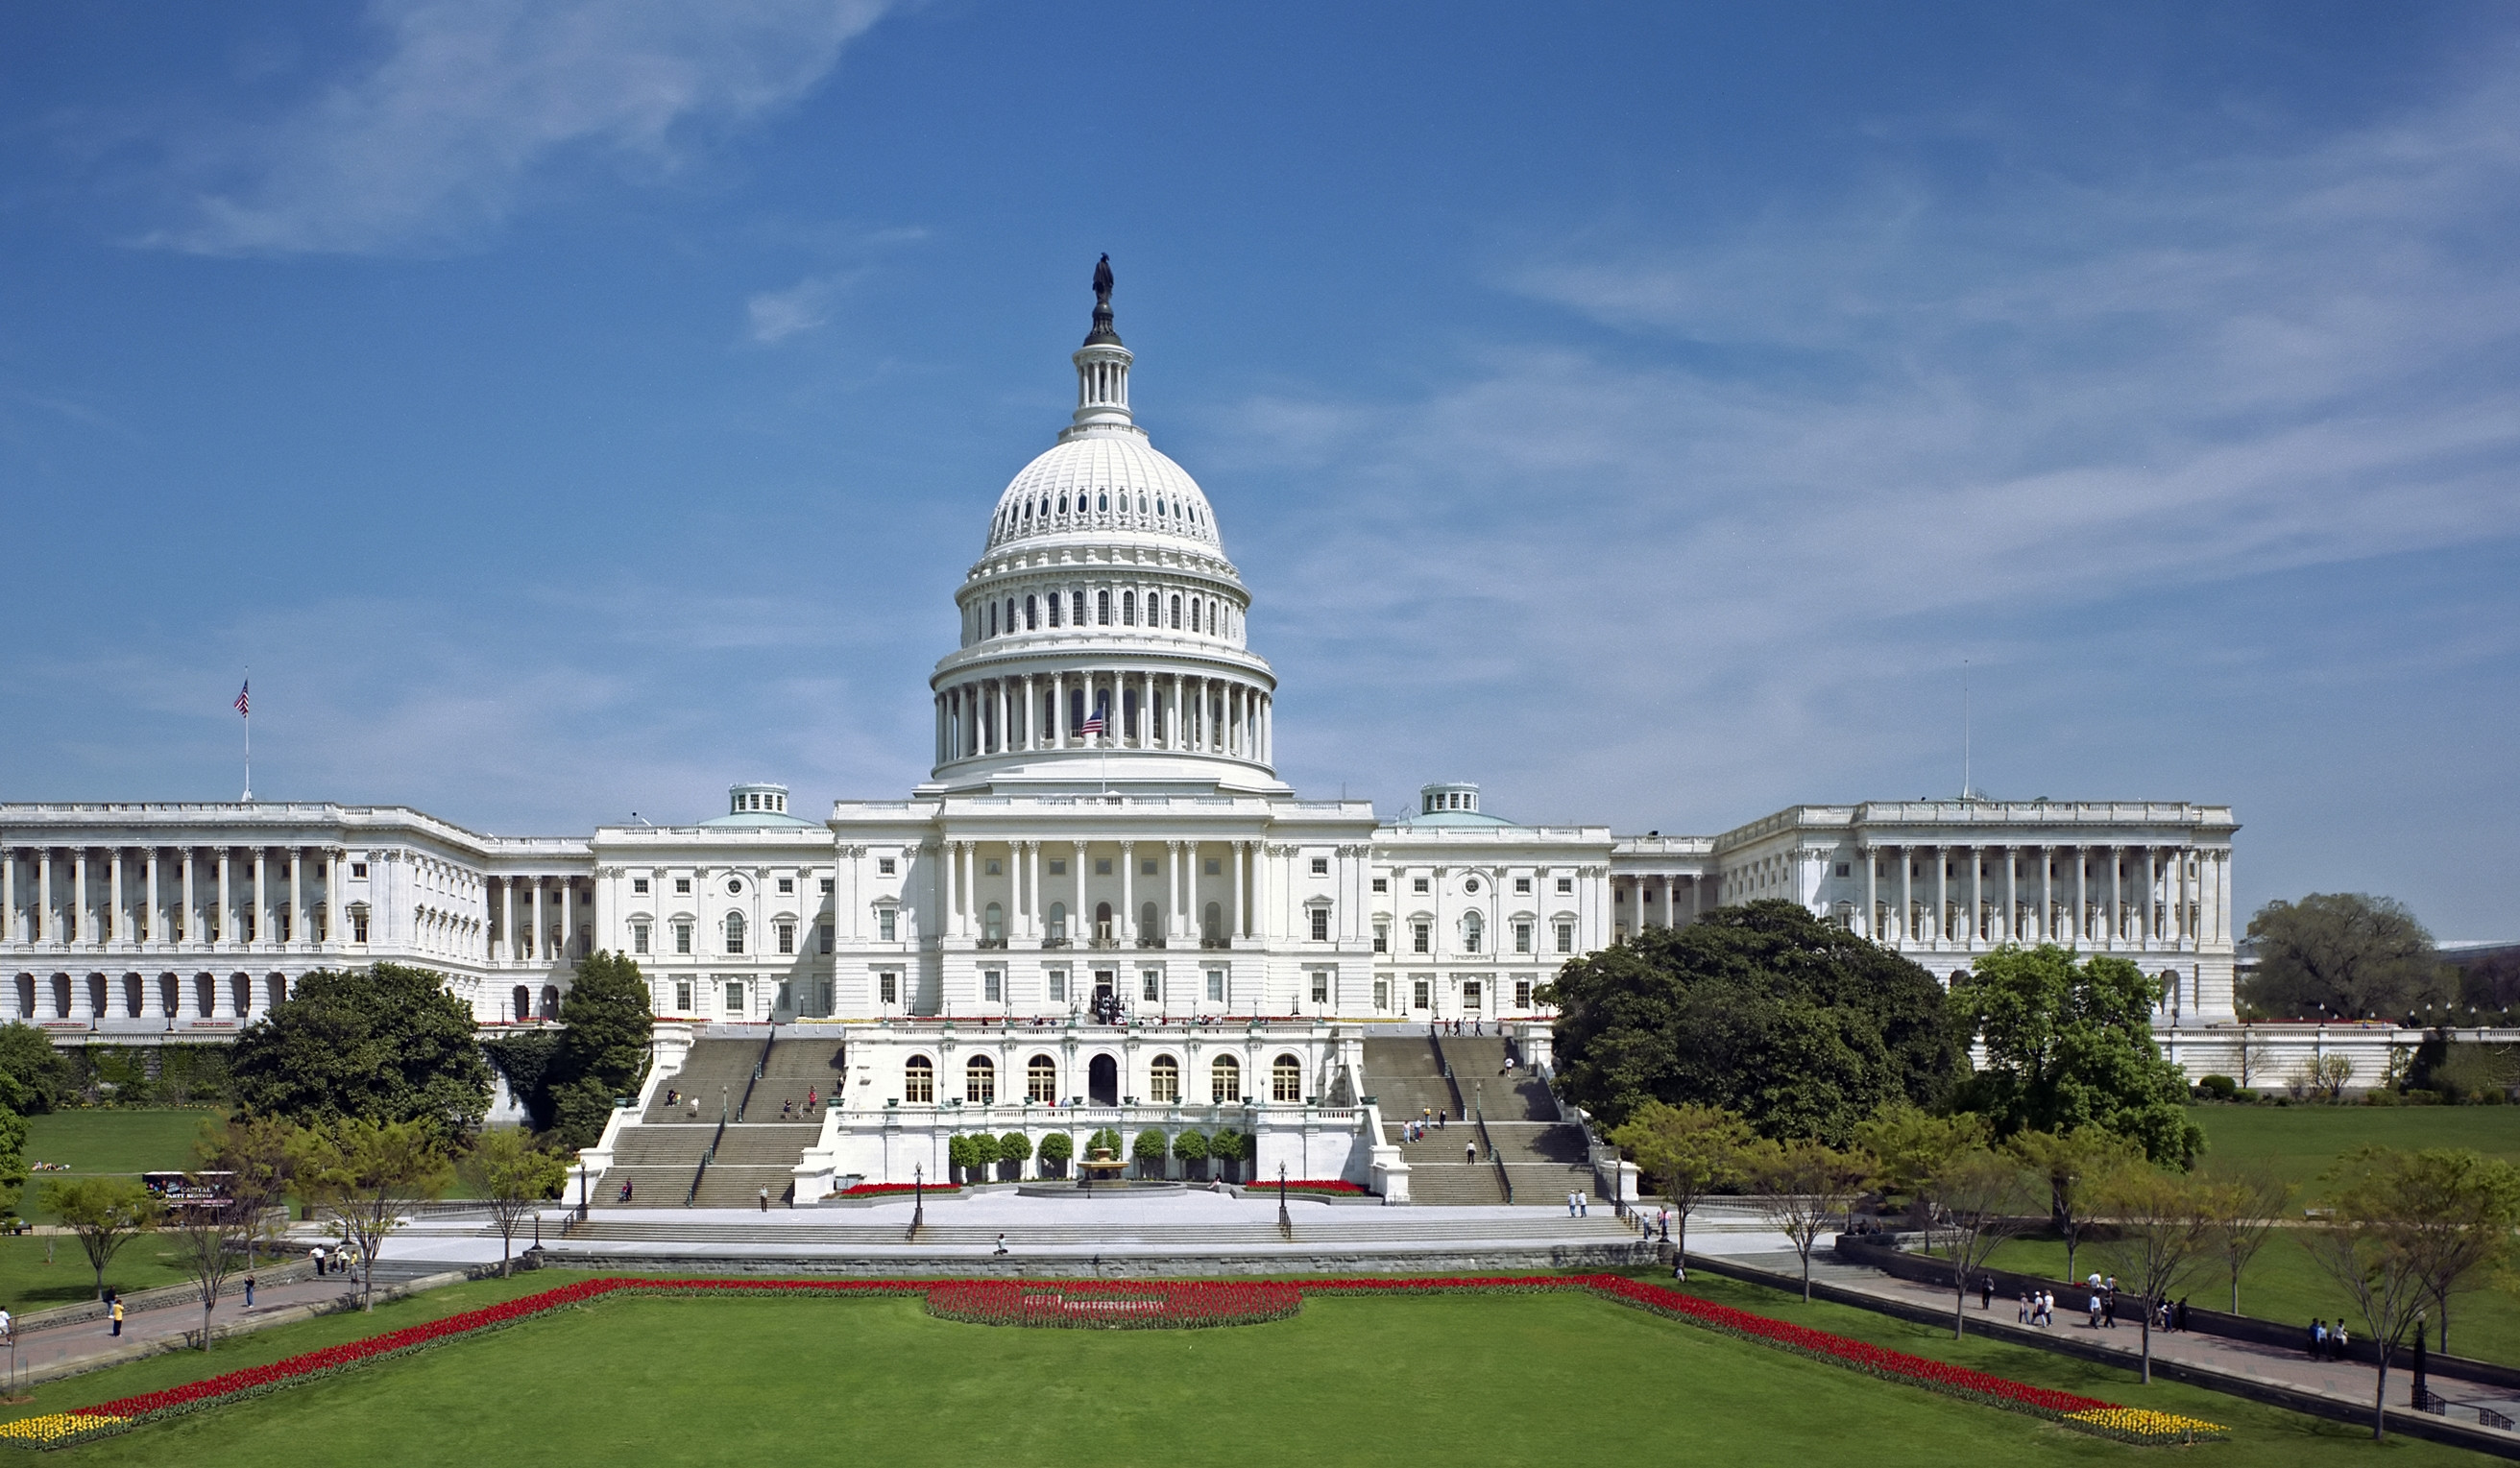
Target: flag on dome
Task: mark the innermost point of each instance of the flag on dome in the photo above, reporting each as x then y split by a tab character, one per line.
1094	722
243	704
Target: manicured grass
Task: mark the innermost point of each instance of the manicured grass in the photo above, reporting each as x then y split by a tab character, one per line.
1443	1379
28	1282
2304	1141
107	1142
2284	1283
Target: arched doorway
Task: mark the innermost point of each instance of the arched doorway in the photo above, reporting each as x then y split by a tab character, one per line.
522	1002
1103	1082
1102	923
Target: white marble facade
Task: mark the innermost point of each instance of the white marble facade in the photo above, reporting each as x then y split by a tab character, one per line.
1103	824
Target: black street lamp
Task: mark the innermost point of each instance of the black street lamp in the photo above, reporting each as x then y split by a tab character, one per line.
1286	1225
917	1197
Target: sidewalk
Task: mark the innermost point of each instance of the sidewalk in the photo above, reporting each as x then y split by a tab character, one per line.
2345	1387
84	1345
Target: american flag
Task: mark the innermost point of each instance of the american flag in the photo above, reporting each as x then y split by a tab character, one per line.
1093	723
243	704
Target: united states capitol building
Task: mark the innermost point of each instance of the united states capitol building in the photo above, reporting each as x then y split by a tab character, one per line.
1102	906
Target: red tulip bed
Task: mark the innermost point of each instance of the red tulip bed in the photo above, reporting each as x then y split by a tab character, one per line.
1307	1185
887	1189
1115	1304
1123	1305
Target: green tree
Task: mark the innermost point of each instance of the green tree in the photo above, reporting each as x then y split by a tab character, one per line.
106	1212
1107	1141
2074	1165
2344	954
1805	1189
603	1050
1912	1144
1228	1146
1687	1150
2377	1242
513	1174
1055	1149
2245	1201
207	1234
1014	1147
387	1044
35	1076
372	1174
1150	1150
1979	1194
257	1155
2466	1205
1192	1147
1796	1024
2070	1045
12	1159
2161	1229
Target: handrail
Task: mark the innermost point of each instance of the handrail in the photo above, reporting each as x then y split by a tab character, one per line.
1505	1179
1445	1064
759	1064
706	1157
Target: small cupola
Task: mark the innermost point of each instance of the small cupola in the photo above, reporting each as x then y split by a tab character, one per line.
757	799
1453	795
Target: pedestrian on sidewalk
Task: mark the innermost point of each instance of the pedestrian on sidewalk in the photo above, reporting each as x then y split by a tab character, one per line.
2095	1312
117	1317
2022	1315
248	1292
2337	1340
2179	1320
1986	1292
1583	1205
765	1200
315	1257
1470	1154
2110	1308
2318	1338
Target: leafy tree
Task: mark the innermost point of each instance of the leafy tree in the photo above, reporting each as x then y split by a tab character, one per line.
35	1076
1687	1150
1014	1147
2070	1045
2463	1203
2074	1165
1979	1193
106	1212
513	1173
1229	1146
387	1044
1150	1150
1055	1149
2343	953
1912	1144
257	1153
530	1062
2245	1202
603	1050
2376	1243
371	1174
1806	1188
1190	1147
13	1158
1799	1026
2162	1228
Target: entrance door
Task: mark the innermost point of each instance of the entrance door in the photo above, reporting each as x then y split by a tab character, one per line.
1103	1082
1105	982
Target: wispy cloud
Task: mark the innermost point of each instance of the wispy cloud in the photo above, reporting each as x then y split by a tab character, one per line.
438	141
774	316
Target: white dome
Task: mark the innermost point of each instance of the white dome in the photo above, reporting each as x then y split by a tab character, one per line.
1104	481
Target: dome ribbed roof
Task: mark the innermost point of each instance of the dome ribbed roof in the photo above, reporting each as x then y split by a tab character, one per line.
1104	482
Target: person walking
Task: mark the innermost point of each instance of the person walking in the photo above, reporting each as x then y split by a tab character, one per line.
118	1315
1570	1205
1470	1154
1583	1204
1986	1292
2337	1340
248	1292
765	1200
2095	1310
315	1257
2318	1338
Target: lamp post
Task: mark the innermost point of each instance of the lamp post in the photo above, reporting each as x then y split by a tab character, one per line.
917	1197
1286	1225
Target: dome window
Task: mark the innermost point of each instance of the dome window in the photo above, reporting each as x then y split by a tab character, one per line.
1102	501
1063	504
1102	608
1128	608
993	619
1032	614
1142	504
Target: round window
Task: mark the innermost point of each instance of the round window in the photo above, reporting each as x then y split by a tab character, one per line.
1472	885
734	887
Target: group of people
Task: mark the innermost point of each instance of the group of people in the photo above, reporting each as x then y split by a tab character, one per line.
813	1101
1454	1027
2328	1342
2039	1306
1579	1205
1428	1120
336	1260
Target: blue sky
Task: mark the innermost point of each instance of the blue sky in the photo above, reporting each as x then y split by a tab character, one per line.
1652	412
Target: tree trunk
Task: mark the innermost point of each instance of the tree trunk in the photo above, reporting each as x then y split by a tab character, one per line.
2147	1375
1807	1254
1960	1299
207	1303
2380	1401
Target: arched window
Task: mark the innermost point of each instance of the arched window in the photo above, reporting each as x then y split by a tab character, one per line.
918	1080
993	619
1053	609
980	1081
1102	608
1128	608
1058	922
993	924
1287	1079
1102	923
1472	929
1102	501
551	1001
1041	1080
1163	1081
1011	614
1175	611
1225	1079
524	1004
1032	614
734	932
1063	504
1159	510
1078	605
1142	504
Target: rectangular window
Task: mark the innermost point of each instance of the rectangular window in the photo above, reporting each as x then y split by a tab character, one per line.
682	937
1147	866
992	985
1059	985
1522	937
1321	865
1522	994
1566	937
1419	935
827	936
1151	984
733	933
1102	865
1320	985
887	986
883	866
734	999
1057	866
787	885
826	886
358	927
1321	924
787	937
1382	884
639	885
1381	938
1214	866
1842	868
1216	986
1382	993
1421	993
682	886
1565	884
638	937
885	924
358	868
1418	884
683	997
996	868
1469	994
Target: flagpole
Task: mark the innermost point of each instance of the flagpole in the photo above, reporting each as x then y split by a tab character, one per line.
247	709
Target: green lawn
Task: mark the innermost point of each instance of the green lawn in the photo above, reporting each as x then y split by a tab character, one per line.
2303	1141
1446	1379
28	1282
105	1141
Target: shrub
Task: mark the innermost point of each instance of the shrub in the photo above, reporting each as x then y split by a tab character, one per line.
1151	1146
1228	1146
1191	1146
1057	1146
2218	1088
1012	1149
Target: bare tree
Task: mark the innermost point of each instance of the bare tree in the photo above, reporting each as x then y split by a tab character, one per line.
2256	1055
209	1227
256	1154
2162	1226
1806	1188
1982	1196
2373	1244
2245	1203
2324	1076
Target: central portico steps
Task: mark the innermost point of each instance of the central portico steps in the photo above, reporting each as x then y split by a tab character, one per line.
1544	1157
762	1088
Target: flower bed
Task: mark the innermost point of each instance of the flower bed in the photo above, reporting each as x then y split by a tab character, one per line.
1127	1305
1115	1304
887	1189
1307	1185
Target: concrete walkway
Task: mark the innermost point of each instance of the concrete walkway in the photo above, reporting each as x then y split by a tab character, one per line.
85	1346
2348	1386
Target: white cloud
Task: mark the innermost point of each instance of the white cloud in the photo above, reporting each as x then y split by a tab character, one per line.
774	316
439	140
